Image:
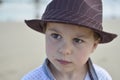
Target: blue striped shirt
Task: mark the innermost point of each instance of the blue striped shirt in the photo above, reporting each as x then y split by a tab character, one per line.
43	73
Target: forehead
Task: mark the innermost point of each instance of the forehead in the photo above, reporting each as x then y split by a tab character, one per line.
69	28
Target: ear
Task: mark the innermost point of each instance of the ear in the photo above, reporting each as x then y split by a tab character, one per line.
95	45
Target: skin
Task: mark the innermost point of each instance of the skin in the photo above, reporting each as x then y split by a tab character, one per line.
68	47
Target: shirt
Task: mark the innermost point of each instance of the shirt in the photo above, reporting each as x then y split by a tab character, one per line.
43	73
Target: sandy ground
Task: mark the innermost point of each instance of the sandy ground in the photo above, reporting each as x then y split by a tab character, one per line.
22	49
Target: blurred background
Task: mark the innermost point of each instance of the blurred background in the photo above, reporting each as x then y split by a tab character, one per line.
22	49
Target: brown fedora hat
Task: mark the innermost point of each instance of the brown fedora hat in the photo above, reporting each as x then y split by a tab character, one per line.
87	13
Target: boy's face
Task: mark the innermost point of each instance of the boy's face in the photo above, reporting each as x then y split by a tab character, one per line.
68	47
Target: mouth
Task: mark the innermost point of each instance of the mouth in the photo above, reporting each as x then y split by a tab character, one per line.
64	62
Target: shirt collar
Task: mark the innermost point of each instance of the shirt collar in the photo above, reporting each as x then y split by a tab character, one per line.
47	70
91	70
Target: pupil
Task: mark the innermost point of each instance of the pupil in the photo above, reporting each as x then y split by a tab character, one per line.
77	40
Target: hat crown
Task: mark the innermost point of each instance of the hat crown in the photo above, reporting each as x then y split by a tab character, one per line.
77	5
84	12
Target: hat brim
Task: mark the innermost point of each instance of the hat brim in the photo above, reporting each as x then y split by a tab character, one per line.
38	25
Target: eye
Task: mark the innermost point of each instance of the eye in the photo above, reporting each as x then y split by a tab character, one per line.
77	40
56	36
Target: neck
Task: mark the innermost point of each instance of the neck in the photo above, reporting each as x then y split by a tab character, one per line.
78	74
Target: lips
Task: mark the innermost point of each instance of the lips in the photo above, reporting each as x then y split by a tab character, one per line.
64	62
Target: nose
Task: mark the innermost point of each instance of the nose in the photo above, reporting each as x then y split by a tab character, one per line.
65	49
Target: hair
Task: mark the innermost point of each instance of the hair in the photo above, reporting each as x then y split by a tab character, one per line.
44	27
96	36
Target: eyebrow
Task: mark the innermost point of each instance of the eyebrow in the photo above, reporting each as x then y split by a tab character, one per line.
55	30
80	36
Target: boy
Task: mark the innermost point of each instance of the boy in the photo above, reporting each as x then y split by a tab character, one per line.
73	29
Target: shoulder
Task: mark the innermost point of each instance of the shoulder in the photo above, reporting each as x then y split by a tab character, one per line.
102	73
36	74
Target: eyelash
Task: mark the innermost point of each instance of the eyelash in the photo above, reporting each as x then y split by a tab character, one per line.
56	36
77	40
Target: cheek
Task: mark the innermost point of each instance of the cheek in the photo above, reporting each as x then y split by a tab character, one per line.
82	57
50	47
87	49
82	54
